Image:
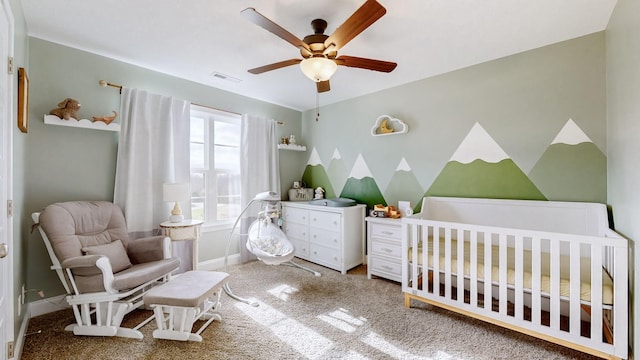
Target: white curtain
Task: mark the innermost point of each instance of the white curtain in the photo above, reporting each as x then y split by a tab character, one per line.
153	150
259	168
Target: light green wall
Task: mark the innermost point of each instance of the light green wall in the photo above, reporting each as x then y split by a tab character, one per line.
64	163
623	132
522	101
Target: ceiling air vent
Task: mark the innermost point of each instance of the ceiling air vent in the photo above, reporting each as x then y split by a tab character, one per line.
221	76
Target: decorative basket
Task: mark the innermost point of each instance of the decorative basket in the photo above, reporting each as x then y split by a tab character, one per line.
302	194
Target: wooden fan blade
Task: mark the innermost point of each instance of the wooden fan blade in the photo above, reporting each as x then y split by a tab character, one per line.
364	63
366	15
278	65
323	86
255	17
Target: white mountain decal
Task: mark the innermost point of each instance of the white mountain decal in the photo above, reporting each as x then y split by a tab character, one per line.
336	155
478	144
360	169
403	166
571	134
314	158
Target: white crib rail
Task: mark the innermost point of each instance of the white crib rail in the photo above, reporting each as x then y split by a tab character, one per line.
610	252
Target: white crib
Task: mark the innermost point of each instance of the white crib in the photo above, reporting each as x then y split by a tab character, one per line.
554	270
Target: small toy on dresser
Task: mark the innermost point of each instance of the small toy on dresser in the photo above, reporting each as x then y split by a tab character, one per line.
106	119
319	193
67	109
380	210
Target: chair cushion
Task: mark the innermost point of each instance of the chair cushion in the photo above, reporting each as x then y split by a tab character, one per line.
141	273
116	253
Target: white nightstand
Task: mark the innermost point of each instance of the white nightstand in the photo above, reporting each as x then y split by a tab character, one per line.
384	248
184	236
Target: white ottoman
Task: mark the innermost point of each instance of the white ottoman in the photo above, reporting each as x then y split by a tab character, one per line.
189	297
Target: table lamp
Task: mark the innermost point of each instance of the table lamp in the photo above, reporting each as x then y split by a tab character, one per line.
175	192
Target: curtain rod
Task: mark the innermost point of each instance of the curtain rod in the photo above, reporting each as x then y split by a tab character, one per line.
104	83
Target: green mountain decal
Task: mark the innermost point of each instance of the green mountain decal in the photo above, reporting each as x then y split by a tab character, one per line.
403	186
481	179
364	191
314	176
572	173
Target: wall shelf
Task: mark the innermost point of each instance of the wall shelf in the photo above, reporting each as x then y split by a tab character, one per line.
82	123
293	147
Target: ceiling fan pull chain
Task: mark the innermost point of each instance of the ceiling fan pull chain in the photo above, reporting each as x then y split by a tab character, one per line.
317	106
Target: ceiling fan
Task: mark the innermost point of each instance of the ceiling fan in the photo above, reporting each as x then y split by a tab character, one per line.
319	51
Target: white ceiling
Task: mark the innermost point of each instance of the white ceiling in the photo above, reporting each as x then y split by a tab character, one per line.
193	39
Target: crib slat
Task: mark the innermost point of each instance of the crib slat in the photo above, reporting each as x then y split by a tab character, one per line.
447	263
414	257
503	274
519	264
554	300
473	276
425	257
436	260
574	295
596	291
535	280
487	271
460	271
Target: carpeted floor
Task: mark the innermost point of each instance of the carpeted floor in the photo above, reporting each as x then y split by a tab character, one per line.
305	317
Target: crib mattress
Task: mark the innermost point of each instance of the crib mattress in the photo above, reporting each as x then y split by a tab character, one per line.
545	279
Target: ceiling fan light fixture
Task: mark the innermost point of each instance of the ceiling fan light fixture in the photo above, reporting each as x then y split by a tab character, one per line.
318	68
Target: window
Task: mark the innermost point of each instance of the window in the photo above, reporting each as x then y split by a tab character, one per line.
215	165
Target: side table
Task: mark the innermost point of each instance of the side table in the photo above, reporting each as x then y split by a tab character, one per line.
184	235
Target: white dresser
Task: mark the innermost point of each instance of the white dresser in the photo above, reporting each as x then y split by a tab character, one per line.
329	236
384	248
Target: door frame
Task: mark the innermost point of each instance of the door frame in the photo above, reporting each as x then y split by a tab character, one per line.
6	121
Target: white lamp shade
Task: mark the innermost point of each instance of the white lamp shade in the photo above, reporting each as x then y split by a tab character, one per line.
318	68
175	192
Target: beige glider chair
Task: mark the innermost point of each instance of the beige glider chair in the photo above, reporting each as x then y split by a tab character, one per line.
104	273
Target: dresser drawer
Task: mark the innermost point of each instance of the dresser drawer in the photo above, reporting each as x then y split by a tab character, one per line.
393	270
294	215
387	232
325	255
324	237
386	249
296	231
325	220
302	248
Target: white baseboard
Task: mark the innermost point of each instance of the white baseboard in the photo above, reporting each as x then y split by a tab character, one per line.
47	305
218	264
22	333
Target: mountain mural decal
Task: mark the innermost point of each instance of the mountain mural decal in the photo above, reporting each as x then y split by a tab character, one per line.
361	186
337	171
404	185
479	168
572	168
315	175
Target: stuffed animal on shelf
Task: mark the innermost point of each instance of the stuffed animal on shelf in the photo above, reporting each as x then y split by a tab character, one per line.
106	119
67	109
319	193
